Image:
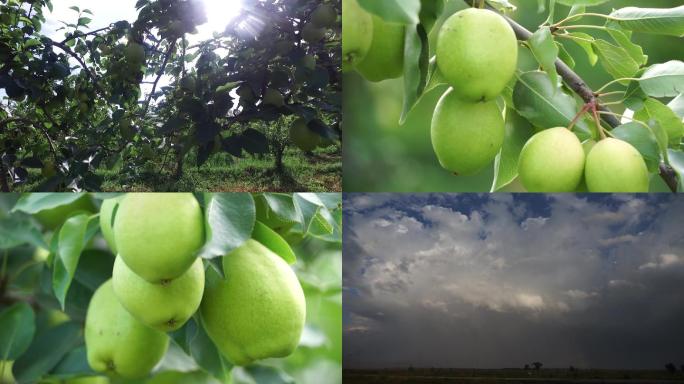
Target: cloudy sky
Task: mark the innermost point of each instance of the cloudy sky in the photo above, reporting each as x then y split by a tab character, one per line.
491	281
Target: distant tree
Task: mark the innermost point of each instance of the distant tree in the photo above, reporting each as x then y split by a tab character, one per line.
681	367
671	368
527	367
537	365
410	368
572	369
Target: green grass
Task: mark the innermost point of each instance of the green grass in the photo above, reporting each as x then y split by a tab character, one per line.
317	172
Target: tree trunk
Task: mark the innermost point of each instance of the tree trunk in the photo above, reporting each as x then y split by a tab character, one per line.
280	167
179	166
3	177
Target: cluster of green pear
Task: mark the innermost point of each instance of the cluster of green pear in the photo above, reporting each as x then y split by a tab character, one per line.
371	45
321	19
158	284
554	160
467	126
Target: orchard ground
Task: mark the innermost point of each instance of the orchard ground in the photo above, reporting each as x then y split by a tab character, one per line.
318	171
509	375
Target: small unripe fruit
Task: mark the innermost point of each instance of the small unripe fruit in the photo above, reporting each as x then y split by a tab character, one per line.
466	136
188	83
477	53
324	16
357	33
312	33
135	53
552	161
48	169
303	137
385	58
117	343
615	166
258	310
158	234
162	306
274	97
309	62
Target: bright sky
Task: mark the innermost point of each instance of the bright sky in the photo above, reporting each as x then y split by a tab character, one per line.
501	280
219	13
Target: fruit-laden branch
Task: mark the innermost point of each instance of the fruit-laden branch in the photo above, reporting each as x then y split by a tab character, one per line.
577	84
73	54
167	56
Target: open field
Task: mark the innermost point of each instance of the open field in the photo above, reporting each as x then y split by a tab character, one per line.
317	172
509	376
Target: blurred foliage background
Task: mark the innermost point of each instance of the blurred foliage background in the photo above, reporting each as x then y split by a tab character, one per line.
381	155
57	354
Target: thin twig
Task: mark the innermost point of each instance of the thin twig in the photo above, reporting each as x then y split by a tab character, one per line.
159	75
73	54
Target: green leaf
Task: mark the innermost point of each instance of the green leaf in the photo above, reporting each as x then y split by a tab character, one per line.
430	11
677	163
624	39
643	140
518	131
663	80
273	241
35	202
75	8
547	106
203	350
229	220
585	41
227	87
565	56
677	105
615	60
416	64
73	238
17	327
308	206
662	21
282	205
666	118
395	11
545	51
502	5
17	230
46	352
84	21
266	374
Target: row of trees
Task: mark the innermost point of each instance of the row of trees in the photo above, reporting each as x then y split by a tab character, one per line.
76	105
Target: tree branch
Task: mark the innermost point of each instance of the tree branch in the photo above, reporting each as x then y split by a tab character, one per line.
73	54
169	52
579	86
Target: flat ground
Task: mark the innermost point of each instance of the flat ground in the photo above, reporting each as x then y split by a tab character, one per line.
510	376
317	172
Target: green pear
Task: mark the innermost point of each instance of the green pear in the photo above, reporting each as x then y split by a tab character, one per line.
466	136
135	53
55	217
49	170
163	306
385	58
477	53
303	137
324	16
357	34
552	161
126	129
158	234
312	33
106	221
615	166
309	62
258	311
274	97
188	83
117	343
